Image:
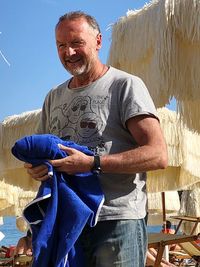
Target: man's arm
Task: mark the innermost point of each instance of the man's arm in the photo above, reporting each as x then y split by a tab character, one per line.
151	153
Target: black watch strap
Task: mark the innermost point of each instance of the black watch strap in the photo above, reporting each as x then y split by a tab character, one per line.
96	168
28	233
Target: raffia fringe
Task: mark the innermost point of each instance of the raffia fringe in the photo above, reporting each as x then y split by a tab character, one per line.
183	150
161	44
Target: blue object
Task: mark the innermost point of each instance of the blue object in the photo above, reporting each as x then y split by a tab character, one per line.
63	206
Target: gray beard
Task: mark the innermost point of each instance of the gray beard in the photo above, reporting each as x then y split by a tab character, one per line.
78	71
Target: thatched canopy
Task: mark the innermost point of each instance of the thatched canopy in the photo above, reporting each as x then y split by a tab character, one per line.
183	150
16	187
184	156
155	206
161	44
190	206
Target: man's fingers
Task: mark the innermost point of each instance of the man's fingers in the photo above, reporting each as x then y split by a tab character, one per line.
27	165
67	149
39	173
57	162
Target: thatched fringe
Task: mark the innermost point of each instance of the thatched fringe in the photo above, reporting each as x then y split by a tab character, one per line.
183	152
161	44
13	128
172	128
190	205
16	126
189	110
155	202
13	199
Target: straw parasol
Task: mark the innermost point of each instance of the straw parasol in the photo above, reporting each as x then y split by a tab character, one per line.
183	170
161	44
190	206
157	212
183	152
16	187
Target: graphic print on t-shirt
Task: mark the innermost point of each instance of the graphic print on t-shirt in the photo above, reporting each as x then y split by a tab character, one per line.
79	120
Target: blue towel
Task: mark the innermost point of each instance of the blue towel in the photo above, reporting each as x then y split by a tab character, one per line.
63	206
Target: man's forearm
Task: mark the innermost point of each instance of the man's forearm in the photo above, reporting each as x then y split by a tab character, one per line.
141	159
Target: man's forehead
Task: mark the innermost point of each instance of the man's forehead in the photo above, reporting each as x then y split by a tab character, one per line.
72	24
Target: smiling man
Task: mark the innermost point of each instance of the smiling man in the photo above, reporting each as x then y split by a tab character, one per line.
122	129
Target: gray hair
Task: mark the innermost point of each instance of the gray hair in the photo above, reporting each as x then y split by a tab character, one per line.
80	14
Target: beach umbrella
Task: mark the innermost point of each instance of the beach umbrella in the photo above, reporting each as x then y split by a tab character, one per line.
190	206
16	188
183	147
158	212
13	128
161	44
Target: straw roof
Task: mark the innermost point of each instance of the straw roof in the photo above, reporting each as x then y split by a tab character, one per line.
16	187
161	44
155	206
190	205
183	152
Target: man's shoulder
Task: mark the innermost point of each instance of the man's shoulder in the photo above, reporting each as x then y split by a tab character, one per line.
122	74
58	89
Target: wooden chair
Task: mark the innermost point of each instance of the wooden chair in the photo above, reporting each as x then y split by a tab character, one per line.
160	240
190	250
192	219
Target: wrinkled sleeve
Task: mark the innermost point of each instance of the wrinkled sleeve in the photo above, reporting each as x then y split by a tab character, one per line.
43	125
136	100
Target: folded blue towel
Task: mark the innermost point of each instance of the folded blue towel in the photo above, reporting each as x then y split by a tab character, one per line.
63	206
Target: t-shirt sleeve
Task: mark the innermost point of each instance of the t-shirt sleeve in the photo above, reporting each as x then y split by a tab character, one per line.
136	100
43	125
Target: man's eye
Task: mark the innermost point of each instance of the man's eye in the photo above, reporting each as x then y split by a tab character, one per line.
60	45
77	43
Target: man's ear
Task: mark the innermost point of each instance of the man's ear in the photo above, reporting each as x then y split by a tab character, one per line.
99	41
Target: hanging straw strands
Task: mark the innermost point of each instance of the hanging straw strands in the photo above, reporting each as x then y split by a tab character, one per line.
190	206
184	155
16	187
161	44
13	128
13	199
183	152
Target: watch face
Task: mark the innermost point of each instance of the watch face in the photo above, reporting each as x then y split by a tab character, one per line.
96	169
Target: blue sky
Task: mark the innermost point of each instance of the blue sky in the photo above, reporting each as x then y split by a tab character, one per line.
27	41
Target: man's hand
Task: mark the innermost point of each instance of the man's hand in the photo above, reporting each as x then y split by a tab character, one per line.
39	173
75	162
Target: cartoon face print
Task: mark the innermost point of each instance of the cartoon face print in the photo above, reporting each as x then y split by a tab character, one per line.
69	134
58	121
78	106
88	125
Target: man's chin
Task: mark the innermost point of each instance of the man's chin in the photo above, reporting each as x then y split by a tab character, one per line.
76	71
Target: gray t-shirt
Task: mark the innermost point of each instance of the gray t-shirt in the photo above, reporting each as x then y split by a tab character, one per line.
96	116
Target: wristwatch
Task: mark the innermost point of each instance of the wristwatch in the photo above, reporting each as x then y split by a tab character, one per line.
96	168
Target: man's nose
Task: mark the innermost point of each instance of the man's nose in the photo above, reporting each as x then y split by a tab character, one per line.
69	51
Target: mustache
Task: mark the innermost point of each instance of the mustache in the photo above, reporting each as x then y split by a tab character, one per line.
73	58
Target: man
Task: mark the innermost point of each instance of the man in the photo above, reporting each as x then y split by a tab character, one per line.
111	112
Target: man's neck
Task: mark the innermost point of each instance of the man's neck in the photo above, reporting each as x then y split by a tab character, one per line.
86	79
